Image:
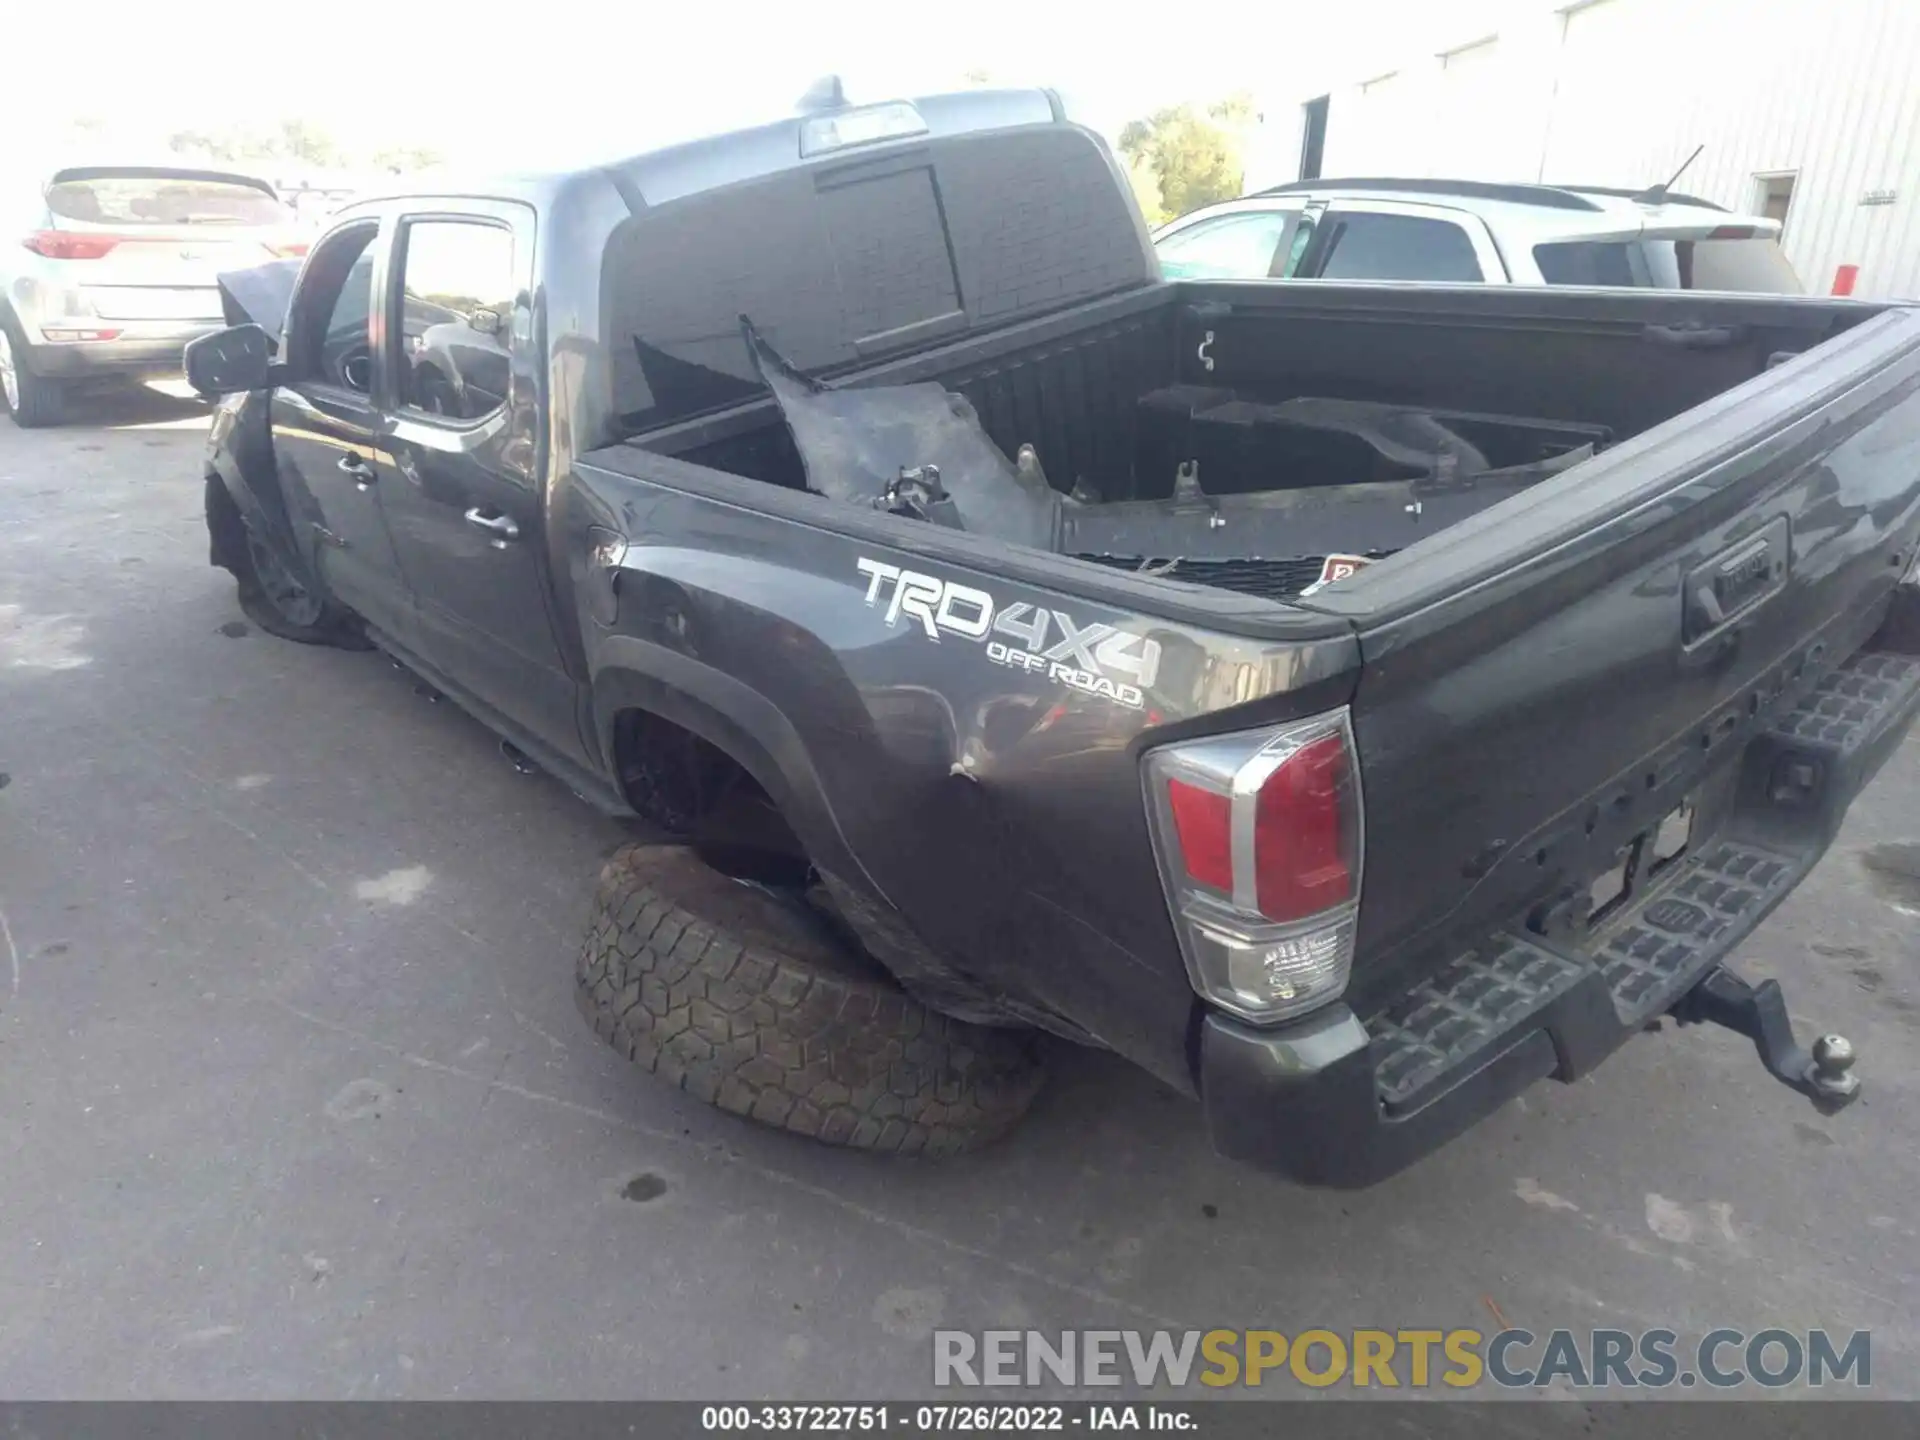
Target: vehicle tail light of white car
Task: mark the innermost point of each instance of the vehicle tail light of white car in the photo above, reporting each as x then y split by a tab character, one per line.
71	244
1259	839
98	244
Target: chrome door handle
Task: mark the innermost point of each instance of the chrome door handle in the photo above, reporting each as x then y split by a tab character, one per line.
501	527
361	472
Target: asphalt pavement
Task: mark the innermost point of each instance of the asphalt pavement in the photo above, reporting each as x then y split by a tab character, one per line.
294	1100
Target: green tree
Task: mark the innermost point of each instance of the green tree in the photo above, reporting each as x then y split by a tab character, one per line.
199	143
1195	157
1146	190
400	159
292	139
303	141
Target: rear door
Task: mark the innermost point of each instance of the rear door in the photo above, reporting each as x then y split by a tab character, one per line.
325	429
463	494
1392	240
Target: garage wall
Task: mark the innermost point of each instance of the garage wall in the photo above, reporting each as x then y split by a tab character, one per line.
1619	92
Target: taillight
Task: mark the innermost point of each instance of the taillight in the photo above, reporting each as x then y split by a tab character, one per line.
70	244
1259	840
289	249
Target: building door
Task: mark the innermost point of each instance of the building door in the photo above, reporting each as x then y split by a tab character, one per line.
1313	137
1773	197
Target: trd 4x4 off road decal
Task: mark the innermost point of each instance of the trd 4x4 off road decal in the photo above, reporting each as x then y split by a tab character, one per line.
1099	659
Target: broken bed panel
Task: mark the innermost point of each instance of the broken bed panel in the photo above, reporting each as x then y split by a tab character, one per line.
910	449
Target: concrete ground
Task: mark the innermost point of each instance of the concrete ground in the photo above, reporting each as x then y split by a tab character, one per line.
294	1100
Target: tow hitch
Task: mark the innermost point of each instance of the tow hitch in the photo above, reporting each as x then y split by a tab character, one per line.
1825	1076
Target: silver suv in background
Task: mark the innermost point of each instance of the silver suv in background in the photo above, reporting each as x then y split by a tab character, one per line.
1468	230
113	272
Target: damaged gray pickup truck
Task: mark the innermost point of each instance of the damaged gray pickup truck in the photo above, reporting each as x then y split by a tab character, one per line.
1352	704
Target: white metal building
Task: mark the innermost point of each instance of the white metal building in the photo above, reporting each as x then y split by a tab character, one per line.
1807	110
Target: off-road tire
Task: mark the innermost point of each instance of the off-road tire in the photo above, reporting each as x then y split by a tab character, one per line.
738	997
41	402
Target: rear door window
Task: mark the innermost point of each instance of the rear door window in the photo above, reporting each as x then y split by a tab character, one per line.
162	197
1372	245
1229	247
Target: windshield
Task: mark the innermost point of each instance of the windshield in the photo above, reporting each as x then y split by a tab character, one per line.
159	198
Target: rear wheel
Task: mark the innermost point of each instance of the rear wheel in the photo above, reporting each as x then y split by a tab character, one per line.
31	400
739	994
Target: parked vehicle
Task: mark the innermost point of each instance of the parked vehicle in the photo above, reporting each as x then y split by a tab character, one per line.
1469	231
116	270
865	511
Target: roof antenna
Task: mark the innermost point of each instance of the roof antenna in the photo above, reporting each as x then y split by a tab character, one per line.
826	93
1657	195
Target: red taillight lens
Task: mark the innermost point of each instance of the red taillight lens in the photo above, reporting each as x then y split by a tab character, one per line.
1300	857
1259	840
70	244
1204	823
290	249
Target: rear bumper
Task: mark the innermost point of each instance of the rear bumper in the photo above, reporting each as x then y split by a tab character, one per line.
142	349
1332	1101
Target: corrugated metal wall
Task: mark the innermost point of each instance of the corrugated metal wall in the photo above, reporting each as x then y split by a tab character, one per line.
1621	91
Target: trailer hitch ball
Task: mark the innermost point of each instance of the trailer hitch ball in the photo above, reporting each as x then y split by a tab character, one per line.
1823	1073
1833	1058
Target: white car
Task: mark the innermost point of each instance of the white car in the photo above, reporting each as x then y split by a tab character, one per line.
113	272
1467	231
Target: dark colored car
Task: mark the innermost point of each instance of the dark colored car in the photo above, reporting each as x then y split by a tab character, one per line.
1351	703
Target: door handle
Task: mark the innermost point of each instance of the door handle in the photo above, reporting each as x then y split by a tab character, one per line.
501	527
361	472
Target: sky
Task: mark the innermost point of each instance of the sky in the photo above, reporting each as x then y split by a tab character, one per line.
546	83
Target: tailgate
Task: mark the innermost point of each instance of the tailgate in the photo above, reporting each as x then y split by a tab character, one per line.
1550	688
170	275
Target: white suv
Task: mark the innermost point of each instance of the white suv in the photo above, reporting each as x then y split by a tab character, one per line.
111	270
1466	231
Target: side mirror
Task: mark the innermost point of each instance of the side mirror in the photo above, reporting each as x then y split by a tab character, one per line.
230	361
487	322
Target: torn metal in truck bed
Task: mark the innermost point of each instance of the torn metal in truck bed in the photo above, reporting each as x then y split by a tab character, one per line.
921	450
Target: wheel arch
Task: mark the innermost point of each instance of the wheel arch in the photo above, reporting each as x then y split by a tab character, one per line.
736	721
